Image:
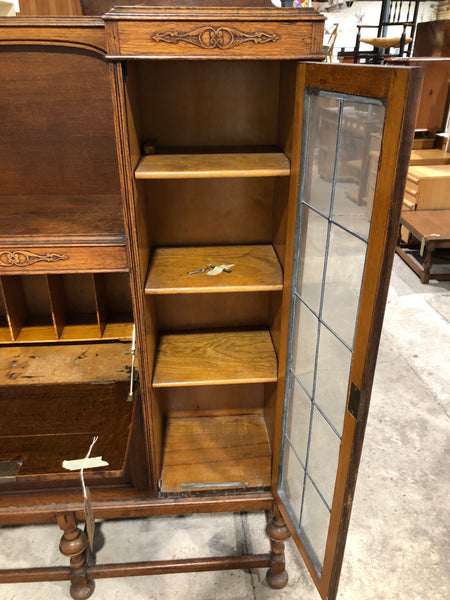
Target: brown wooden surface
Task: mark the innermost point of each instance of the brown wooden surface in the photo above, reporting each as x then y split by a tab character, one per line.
52	423
182	166
217	400
70	307
50	7
187	312
432	156
203	212
431	114
214	358
232	105
56	126
265	33
81	363
95	218
215	450
425	222
256	268
396	86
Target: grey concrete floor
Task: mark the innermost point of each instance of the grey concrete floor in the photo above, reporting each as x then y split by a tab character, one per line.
398	542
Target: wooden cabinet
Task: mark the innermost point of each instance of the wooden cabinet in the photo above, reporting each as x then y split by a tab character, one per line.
428	187
186	187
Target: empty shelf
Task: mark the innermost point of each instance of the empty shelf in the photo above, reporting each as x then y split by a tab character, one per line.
255	268
218	453
214	358
186	166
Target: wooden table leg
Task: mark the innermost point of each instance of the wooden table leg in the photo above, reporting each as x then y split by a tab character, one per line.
73	544
277	576
427	263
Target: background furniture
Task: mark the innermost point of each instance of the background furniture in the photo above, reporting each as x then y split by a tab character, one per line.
432	229
395	29
187	148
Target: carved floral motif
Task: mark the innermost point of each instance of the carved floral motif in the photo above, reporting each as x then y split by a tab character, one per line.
209	37
23	258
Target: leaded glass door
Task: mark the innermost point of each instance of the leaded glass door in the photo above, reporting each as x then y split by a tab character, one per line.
356	126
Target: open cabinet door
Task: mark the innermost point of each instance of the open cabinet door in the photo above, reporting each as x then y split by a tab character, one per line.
357	126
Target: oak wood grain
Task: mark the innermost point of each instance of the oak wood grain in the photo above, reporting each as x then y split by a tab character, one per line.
214	358
256	268
215	450
52	423
184	166
71	363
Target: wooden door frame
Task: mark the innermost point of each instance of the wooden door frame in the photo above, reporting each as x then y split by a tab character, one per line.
399	88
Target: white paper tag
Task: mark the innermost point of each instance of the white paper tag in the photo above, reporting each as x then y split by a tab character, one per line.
84	463
219	269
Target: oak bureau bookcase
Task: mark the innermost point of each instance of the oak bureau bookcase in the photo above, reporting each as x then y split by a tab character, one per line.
163	168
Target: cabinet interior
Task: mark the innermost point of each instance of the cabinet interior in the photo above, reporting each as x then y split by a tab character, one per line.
66	319
211	188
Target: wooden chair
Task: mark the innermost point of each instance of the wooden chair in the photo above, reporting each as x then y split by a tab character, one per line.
329	46
394	15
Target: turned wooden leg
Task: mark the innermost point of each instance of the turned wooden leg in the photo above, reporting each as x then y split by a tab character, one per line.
277	531
73	544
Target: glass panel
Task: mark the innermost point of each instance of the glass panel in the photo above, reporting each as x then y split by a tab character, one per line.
298	420
346	257
323	456
315	521
312	256
304	345
293	478
333	371
323	126
336	195
359	144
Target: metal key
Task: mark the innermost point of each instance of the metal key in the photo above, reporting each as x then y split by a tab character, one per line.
201	270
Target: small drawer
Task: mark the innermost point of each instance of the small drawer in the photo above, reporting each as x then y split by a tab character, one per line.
217	34
50	259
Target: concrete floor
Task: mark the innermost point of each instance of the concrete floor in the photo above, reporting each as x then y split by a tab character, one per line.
398	543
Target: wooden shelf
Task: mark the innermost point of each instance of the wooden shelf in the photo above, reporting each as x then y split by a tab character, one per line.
184	359
256	268
221	453
189	166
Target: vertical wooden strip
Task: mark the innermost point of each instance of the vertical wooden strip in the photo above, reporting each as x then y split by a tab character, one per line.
5	334
16	310
57	303
101	309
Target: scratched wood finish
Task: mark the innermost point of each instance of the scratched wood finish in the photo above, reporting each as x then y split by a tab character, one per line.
256	268
215	450
183	166
71	363
214	358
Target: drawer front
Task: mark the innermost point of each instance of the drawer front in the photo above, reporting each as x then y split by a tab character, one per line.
204	39
83	259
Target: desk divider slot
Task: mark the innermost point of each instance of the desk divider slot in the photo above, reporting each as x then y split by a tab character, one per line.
65	307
